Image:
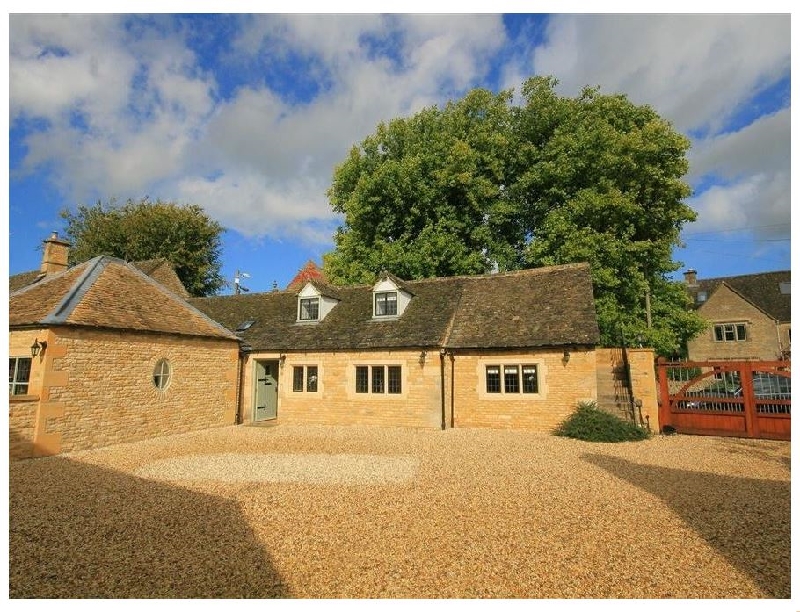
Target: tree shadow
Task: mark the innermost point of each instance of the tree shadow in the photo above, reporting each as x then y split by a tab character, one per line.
746	519
80	531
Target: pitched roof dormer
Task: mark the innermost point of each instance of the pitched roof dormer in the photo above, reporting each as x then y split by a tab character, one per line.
314	301
390	297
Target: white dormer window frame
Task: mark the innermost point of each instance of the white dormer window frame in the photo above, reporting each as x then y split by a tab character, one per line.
388	300
312	305
308	309
385	303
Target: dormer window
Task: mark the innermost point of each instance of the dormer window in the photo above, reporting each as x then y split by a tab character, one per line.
386	304
315	301
390	297
309	309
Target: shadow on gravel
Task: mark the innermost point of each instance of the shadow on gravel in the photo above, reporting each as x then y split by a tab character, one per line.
746	520
79	531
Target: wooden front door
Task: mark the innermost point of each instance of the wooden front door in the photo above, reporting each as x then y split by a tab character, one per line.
266	404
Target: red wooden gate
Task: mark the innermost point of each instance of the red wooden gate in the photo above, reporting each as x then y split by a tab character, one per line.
748	399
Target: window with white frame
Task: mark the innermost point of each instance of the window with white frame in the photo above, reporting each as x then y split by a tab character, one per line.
309	309
162	374
379	379
730	332
512	378
309	374
19	375
386	304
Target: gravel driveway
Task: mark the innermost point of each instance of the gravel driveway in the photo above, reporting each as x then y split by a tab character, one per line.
334	512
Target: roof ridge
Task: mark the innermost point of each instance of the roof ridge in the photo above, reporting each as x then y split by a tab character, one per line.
78	289
173	295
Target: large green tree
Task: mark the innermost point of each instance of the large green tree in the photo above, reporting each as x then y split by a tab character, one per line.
141	230
486	183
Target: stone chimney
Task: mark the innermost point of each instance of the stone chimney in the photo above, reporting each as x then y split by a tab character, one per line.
56	252
690	276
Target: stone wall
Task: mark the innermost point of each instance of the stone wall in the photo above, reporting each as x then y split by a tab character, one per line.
96	388
562	384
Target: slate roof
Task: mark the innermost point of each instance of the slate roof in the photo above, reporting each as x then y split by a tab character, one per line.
762	290
529	308
161	270
23	279
106	292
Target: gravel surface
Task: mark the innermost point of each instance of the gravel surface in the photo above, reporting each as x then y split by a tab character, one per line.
327	512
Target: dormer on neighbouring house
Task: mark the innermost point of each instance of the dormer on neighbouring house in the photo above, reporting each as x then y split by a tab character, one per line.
390	297
314	301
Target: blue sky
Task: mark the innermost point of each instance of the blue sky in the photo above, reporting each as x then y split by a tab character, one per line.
247	115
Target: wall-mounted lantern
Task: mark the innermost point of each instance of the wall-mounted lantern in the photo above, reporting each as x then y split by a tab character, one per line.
38	347
422	356
566	356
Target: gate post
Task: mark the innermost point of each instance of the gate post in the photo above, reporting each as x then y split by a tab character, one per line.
663	395
749	399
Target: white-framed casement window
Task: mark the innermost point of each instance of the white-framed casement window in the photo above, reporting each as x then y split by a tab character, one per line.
730	332
512	378
386	304
308	374
19	375
309	309
162	374
380	379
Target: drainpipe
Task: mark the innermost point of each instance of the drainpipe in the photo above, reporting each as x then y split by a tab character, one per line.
244	349
441	375
452	389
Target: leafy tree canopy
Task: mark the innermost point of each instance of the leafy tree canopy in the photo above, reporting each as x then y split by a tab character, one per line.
136	231
487	184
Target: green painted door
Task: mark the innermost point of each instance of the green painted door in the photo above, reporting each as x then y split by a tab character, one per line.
266	390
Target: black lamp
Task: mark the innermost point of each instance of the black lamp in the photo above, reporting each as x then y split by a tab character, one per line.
38	347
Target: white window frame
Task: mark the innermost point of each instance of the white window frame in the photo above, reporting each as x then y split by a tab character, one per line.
162	374
734	329
14	383
386	302
309	300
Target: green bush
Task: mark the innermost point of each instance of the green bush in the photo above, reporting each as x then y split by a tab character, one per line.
593	425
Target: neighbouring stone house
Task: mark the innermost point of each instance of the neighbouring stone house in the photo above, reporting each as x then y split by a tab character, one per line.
501	350
749	316
102	353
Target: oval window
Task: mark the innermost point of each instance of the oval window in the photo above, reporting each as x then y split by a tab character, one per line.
162	374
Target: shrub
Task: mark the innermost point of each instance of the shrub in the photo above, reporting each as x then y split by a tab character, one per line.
593	425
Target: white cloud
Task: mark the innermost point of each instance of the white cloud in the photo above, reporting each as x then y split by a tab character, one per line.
762	147
695	70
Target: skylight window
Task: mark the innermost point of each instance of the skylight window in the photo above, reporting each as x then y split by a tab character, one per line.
245	325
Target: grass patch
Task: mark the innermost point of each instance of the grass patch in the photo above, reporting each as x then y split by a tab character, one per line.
591	424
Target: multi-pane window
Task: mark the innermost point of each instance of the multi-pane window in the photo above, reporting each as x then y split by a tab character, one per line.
515	378
19	374
362	379
386	303
379	379
162	374
309	309
730	332
395	384
492	379
307	373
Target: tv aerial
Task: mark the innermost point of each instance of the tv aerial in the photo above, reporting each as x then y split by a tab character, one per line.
237	282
